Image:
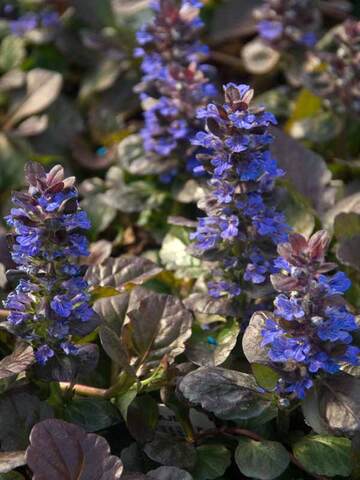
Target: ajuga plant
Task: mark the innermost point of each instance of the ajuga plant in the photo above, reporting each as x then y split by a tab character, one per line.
174	83
289	24
242	227
51	301
334	71
22	24
308	335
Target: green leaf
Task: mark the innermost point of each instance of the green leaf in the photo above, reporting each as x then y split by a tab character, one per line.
11	476
92	414
324	455
124	400
212	462
265	376
12	52
263	460
103	292
306	105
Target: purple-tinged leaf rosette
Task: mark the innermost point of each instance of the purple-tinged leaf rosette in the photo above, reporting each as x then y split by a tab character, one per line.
334	71
242	227
309	333
289	24
51	302
174	84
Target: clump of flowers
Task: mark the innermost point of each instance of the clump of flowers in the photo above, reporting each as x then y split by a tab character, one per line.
174	83
335	71
288	24
20	25
241	226
309	333
51	302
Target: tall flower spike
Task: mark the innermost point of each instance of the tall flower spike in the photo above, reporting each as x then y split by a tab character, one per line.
241	227
174	83
334	73
288	24
309	333
51	302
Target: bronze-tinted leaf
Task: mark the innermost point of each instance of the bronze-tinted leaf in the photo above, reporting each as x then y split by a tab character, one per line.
228	394
63	451
158	326
43	87
348	252
17	362
169	450
297	161
11	460
117	272
99	252
168	473
252	339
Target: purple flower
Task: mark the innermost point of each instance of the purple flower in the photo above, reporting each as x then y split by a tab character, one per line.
175	83
309	334
48	240
241	170
269	30
43	354
337	284
288	308
288	25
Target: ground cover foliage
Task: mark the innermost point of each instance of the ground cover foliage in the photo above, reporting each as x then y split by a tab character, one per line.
179	239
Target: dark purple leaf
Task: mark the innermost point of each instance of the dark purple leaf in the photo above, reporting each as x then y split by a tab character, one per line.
63	451
19	412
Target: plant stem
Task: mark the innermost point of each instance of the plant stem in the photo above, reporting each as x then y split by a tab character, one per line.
84	390
253	436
